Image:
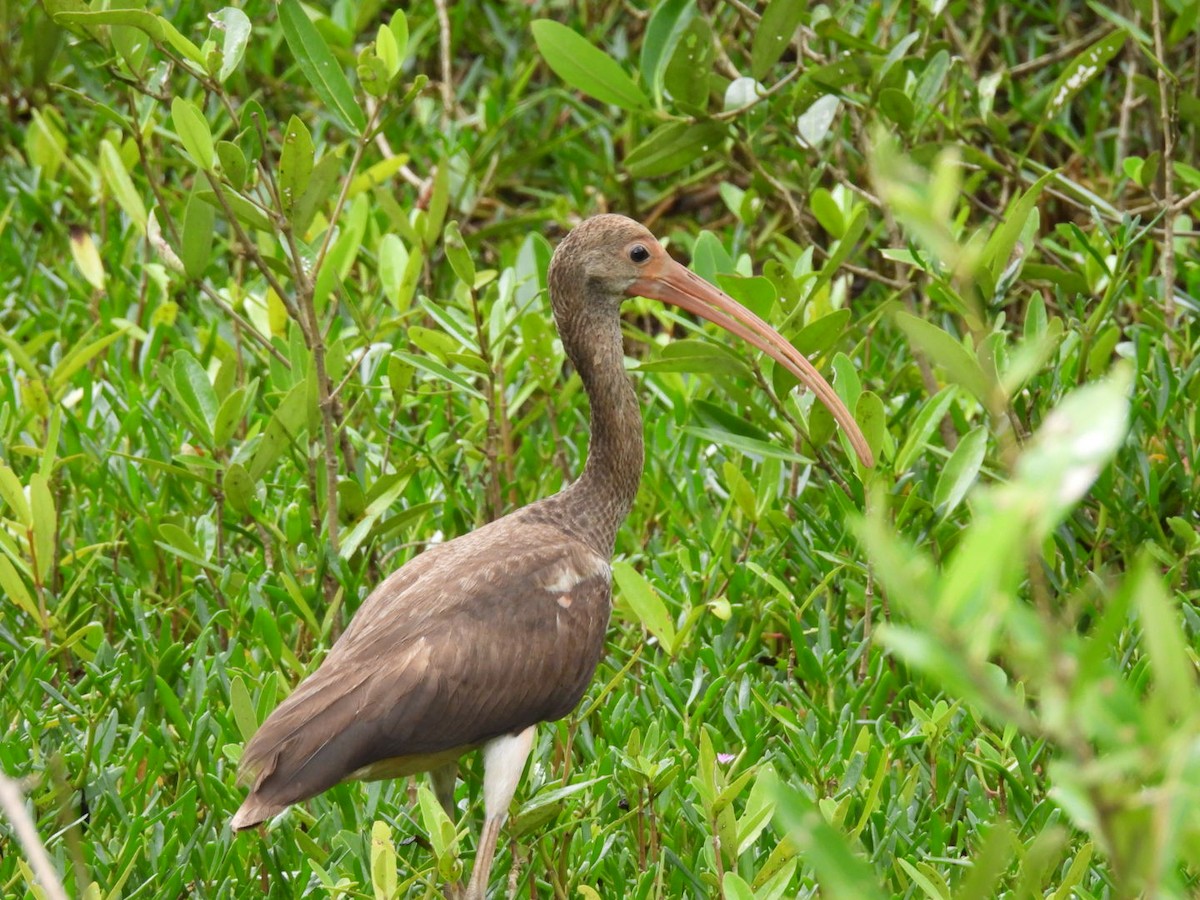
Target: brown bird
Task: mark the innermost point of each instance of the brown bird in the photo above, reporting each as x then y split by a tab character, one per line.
475	641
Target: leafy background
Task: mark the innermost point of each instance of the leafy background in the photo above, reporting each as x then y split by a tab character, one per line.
274	317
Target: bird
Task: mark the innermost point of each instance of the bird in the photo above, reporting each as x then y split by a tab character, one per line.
475	641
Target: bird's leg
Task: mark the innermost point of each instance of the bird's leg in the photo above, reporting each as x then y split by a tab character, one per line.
443	778
503	762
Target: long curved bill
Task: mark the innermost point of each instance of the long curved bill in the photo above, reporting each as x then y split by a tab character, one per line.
668	281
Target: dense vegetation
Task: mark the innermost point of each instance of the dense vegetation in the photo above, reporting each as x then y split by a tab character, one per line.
273	316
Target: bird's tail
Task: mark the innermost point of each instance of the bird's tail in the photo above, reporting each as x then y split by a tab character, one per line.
253	811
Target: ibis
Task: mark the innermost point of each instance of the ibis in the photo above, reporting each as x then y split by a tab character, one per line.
475	641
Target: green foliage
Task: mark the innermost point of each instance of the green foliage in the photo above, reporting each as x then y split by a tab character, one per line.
274	316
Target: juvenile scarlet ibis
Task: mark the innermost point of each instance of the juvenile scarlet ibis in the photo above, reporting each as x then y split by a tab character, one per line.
475	641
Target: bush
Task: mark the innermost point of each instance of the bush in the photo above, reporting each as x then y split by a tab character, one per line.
274	315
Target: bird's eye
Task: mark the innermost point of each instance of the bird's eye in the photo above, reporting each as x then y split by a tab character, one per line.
638	253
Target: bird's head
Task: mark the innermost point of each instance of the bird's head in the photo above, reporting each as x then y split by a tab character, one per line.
608	258
598	262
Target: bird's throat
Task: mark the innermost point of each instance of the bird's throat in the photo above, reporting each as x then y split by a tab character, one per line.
609	483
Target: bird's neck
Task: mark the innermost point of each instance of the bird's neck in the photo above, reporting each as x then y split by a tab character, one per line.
602	497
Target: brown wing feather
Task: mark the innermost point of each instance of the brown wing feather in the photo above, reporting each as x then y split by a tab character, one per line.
482	636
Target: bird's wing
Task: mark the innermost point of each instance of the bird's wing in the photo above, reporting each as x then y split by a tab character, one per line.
482	636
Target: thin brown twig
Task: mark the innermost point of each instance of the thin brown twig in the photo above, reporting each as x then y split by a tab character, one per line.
13	805
1066	51
1168	152
254	333
443	17
1128	102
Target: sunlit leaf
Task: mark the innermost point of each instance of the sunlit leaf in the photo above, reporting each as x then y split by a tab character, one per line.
584	67
234	26
774	34
320	67
193	131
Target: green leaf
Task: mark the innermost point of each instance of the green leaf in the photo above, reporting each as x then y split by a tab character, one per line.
585	67
399	28
733	441
87	257
344	251
193	131
242	707
1163	633
740	490
1002	242
197	236
841	872
112	168
666	23
195	389
1082	69
774	34
828	213
923	881
239	489
286	425
871	417
232	164
230	414
734	887
383	861
45	527
814	123
321	187
245	211
235	29
820	334
923	426
439	202
897	106
392	261
437	824
180	44
649	609
387	52
295	165
697	356
672	146
319	66
959	362
1075	441
41	503
756	293
687	74
458	254
13	493
131	18
80	355
15	589
171	706
845	245
546	805
370	517
930	82
961	471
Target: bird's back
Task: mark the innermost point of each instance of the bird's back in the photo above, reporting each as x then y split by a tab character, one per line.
482	636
